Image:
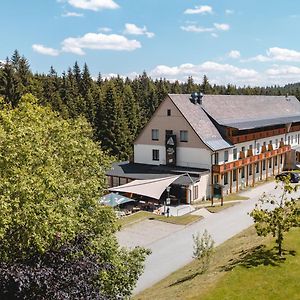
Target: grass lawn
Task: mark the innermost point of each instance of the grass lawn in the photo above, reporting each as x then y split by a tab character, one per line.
217	208
181	220
134	218
245	267
143	215
232	197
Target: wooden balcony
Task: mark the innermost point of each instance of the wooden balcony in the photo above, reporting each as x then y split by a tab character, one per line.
258	135
295	128
249	160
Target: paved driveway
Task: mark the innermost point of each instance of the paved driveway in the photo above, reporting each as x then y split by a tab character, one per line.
175	250
145	233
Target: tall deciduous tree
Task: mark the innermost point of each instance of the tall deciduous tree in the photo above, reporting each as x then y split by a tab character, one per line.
51	177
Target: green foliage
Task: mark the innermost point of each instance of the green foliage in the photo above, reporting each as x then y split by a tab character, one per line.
51	176
114	131
279	216
203	250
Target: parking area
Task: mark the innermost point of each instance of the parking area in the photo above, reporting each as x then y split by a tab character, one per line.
146	232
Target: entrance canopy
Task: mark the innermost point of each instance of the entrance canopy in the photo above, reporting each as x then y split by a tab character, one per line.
152	188
113	200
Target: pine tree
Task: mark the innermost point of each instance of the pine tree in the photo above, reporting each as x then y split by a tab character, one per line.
131	110
205	86
9	84
77	75
114	135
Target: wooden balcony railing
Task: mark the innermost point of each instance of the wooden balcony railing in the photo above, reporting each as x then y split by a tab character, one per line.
295	128
258	135
249	160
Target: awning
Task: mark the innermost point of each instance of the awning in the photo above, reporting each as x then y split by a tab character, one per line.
113	200
152	188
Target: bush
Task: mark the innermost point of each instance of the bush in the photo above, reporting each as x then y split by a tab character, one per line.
203	250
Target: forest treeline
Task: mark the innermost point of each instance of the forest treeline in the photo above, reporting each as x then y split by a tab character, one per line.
117	108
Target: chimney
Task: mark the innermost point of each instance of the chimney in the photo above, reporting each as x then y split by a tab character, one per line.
196	98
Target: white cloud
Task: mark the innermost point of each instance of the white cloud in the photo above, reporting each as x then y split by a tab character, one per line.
195	28
135	30
283	54
45	50
277	54
222	27
99	41
283	71
94	5
216	72
105	29
214	35
229	11
202	9
234	54
71	14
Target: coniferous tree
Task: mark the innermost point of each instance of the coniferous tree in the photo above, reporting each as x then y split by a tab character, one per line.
131	110
115	133
205	86
9	84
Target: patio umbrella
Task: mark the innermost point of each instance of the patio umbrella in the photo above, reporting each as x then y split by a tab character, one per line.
114	199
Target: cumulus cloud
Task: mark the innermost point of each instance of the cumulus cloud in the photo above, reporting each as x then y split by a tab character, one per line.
202	9
234	54
94	5
216	72
222	27
71	14
277	54
135	30
99	41
283	71
45	50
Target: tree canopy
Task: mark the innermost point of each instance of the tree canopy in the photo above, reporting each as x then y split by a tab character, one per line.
52	174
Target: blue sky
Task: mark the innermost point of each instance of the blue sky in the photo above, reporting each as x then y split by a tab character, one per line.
239	42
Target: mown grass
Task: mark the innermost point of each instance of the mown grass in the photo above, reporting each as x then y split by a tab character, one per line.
143	215
244	267
134	218
181	220
233	197
217	208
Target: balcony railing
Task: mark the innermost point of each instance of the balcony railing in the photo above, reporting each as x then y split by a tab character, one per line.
257	135
295	128
249	160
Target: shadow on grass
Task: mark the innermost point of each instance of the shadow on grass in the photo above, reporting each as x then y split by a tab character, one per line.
185	278
258	256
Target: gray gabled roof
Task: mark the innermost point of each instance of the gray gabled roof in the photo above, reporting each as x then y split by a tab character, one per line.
200	122
237	111
246	112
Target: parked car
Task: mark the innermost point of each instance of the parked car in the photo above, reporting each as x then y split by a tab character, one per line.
293	176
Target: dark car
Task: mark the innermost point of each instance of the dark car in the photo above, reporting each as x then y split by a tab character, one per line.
292	176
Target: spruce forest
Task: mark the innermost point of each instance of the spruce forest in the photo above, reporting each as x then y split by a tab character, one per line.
117	108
